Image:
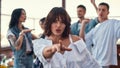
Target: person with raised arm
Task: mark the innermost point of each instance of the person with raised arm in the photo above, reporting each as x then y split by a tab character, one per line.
60	49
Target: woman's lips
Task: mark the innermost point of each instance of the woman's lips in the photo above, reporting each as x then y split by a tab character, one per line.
58	30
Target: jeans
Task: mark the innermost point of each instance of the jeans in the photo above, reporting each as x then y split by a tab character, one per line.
24	62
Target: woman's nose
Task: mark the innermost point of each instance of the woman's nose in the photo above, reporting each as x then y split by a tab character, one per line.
58	23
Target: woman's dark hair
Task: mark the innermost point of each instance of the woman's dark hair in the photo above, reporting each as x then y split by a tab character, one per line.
42	20
15	17
54	14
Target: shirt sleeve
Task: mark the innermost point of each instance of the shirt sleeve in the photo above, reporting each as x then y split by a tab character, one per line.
11	38
80	44
38	46
87	61
117	28
88	39
9	33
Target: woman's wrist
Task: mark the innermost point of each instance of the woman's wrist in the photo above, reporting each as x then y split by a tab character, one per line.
21	34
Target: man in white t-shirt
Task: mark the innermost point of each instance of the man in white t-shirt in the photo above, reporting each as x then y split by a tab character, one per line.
103	37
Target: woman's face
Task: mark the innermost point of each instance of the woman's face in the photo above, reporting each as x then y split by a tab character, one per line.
58	27
22	17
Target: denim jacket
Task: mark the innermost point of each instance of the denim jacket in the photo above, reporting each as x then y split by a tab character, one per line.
75	27
22	59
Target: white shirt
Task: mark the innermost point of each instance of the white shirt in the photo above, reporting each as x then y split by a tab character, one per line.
79	57
104	37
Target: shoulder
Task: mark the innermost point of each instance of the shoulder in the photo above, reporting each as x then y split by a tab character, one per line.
74	26
10	35
9	32
94	20
75	23
75	38
114	20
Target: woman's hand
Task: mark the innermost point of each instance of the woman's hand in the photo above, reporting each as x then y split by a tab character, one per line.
26	31
49	51
60	47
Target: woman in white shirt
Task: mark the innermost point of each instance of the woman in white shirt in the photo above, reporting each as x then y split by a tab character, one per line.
59	49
